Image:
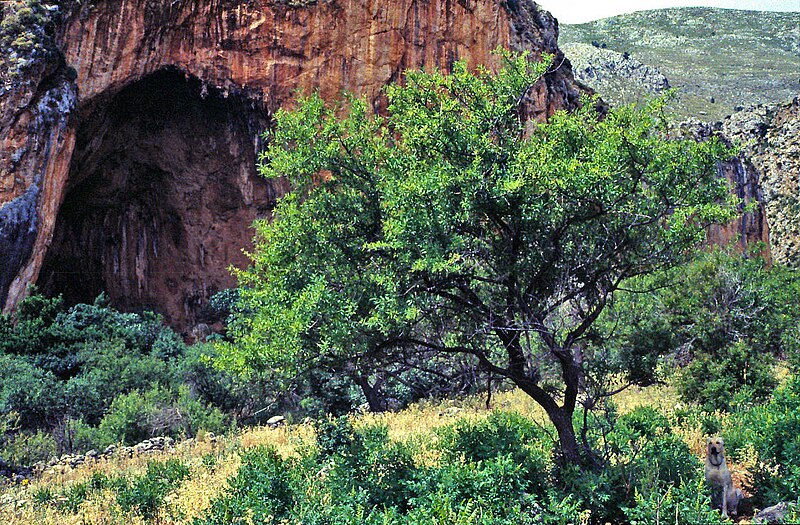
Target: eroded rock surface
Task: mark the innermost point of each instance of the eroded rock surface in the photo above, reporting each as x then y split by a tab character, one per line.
127	150
770	140
764	175
619	77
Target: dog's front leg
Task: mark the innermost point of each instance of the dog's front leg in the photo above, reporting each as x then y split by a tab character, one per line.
724	500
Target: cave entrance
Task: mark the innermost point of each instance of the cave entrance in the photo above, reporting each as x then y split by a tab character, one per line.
161	194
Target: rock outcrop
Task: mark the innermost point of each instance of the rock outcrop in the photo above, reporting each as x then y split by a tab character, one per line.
618	77
128	144
764	175
769	137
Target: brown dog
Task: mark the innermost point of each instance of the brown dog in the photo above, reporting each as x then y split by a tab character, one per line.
718	475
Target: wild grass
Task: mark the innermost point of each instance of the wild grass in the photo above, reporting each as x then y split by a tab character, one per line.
212	462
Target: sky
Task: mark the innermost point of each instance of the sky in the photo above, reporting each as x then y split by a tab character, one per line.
579	11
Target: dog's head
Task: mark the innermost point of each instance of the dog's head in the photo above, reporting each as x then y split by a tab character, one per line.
715	450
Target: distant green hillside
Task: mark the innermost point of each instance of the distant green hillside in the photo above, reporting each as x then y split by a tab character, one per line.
738	58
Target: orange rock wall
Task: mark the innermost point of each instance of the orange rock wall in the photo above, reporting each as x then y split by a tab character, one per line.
262	51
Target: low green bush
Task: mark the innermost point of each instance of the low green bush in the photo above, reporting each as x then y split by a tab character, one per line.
502	434
136	416
35	394
642	458
70	499
688	502
260	492
772	431
365	461
145	495
28	448
90	375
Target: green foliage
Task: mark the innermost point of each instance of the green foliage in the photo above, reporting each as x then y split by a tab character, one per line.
715	326
688	502
145	495
136	416
90	376
497	471
71	498
738	317
450	227
365	463
496	486
358	476
222	303
26	449
129	416
642	459
502	434
260	492
35	394
772	431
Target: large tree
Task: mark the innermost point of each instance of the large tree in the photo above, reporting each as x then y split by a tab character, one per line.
452	226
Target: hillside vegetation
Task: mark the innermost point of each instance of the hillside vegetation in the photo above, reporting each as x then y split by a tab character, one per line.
736	58
430	261
451	462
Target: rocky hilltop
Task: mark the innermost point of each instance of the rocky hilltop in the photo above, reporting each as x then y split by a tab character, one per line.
619	77
129	129
720	60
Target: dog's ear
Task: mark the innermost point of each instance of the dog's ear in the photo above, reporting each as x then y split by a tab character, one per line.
721	441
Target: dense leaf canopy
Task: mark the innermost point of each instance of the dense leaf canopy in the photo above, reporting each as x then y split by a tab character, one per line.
453	226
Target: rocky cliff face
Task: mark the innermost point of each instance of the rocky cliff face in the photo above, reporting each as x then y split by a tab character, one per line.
764	175
130	130
770	140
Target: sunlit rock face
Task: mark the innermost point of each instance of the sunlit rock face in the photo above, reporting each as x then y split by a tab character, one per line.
128	151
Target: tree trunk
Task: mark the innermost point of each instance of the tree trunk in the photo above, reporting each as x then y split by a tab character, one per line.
561	417
373	394
568	441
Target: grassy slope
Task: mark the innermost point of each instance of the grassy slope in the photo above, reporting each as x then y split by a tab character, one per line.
740	58
17	503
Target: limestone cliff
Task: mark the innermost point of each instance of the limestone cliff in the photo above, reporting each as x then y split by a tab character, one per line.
129	131
618	77
770	140
764	175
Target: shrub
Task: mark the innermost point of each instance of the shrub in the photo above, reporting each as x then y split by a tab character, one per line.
719	322
136	416
688	502
499	435
642	457
260	492
35	394
145	495
76	436
27	449
130	416
728	377
498	485
365	461
737	318
771	430
71	498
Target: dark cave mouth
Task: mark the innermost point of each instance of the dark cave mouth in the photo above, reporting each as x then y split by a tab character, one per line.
161	193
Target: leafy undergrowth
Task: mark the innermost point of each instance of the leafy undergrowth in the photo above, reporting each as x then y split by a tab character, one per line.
434	463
